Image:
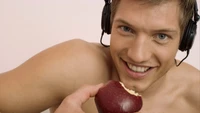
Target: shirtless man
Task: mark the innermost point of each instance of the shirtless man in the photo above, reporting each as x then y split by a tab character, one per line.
145	38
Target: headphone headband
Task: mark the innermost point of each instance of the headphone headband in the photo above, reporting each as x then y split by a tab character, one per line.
107	1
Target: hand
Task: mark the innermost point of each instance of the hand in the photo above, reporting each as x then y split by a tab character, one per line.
73	102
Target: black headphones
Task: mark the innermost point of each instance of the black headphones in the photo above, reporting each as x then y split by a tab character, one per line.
105	19
190	31
187	39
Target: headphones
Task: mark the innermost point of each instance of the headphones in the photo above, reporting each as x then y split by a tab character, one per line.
188	36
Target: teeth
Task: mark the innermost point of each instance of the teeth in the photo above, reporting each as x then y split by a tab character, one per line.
137	69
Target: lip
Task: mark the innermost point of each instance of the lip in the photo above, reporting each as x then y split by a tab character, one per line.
135	75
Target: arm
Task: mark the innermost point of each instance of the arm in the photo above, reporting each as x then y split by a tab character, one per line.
48	77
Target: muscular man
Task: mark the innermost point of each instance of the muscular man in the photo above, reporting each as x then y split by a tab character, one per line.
145	37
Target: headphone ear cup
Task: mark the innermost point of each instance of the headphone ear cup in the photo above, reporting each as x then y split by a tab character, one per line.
105	19
188	37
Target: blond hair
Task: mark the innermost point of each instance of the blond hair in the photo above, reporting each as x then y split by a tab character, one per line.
186	8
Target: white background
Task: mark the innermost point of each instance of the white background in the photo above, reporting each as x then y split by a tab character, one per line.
30	26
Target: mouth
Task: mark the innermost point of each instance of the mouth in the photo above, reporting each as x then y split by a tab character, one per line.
138	69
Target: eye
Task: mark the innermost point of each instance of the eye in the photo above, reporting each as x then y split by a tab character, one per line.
126	29
161	38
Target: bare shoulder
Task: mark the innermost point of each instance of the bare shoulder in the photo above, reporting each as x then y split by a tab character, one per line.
191	74
193	93
189	78
188	74
74	63
187	70
53	74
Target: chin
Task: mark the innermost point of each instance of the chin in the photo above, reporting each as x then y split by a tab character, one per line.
140	85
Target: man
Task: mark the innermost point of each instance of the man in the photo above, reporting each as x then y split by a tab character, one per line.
145	38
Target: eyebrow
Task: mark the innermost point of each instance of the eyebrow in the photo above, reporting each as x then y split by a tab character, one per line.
123	22
165	30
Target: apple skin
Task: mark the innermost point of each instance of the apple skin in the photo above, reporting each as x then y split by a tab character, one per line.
113	98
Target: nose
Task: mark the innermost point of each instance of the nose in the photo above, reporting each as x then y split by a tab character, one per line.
139	50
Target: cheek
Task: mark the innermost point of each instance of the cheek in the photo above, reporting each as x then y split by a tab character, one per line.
113	46
115	40
115	43
166	55
116	47
119	42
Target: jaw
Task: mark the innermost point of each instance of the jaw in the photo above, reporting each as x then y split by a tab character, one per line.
146	78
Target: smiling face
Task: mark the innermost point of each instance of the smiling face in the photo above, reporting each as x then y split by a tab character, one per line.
144	41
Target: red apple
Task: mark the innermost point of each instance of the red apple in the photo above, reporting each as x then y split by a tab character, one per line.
113	97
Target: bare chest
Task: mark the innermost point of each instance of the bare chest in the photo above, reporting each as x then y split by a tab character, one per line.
162	104
166	104
168	99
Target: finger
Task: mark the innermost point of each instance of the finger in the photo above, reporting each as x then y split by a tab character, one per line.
84	93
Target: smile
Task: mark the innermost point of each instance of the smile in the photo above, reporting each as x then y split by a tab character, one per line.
137	69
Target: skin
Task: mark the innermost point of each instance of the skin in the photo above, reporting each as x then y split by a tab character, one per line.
137	38
141	44
73	102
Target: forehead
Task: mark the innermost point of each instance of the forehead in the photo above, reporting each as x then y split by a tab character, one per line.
149	14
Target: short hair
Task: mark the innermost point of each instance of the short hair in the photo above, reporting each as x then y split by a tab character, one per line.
186	9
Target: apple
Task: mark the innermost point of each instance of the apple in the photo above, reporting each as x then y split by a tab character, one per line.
114	97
